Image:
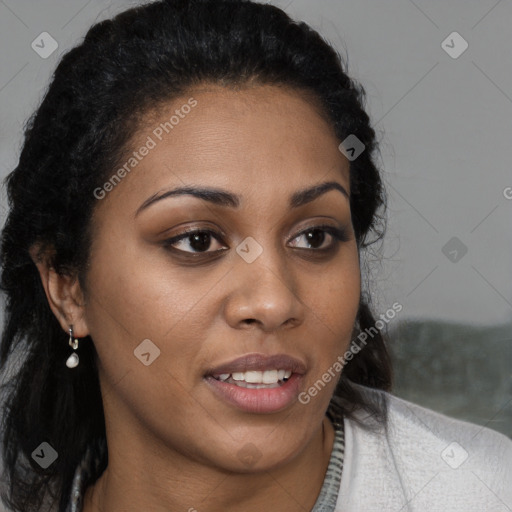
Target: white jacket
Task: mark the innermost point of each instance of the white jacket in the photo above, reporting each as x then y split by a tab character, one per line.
424	461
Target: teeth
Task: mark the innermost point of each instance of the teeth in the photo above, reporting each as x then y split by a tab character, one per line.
257	377
254	377
270	377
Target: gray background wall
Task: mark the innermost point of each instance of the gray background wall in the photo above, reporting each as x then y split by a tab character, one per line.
445	129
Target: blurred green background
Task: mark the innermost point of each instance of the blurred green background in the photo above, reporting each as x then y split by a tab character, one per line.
461	370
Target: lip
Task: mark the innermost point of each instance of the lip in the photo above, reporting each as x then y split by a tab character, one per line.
260	362
264	400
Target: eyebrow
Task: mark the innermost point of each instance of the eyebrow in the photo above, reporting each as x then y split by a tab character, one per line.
228	199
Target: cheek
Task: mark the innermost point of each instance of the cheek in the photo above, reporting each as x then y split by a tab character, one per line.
333	295
132	301
143	291
139	295
333	302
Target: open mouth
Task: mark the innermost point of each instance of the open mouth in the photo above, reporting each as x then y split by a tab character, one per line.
267	379
257	383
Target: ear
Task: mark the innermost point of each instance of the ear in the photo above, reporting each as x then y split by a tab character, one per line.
64	293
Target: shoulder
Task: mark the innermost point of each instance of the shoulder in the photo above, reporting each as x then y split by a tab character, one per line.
425	458
412	423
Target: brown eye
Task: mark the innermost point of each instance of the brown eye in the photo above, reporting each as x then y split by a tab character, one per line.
196	241
316	236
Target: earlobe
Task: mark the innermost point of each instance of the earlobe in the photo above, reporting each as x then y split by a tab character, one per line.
64	295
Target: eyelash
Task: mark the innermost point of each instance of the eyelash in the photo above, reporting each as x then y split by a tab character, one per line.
339	236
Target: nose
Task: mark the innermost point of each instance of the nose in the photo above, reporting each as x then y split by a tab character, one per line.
263	293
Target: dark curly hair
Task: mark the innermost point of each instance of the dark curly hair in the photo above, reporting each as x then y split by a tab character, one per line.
124	68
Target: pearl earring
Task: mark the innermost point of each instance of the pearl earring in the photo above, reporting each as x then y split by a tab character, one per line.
73	360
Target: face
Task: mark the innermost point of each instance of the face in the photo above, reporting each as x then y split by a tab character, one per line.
246	286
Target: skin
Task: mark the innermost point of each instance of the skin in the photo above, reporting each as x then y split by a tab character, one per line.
173	445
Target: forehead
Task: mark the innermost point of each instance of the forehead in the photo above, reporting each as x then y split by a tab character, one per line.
255	140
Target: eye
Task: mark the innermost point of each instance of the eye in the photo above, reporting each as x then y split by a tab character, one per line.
199	240
316	236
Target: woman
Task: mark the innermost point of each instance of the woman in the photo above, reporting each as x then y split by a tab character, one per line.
182	265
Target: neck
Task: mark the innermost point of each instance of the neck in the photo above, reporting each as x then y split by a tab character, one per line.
146	478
